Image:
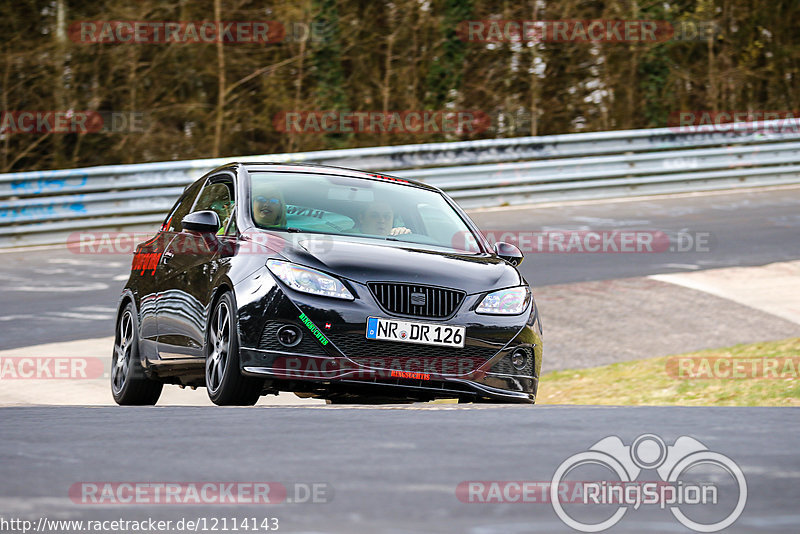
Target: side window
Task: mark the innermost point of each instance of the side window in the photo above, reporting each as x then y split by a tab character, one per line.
173	221
231	230
218	197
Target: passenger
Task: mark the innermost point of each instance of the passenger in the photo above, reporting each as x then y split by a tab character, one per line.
378	219
224	210
269	208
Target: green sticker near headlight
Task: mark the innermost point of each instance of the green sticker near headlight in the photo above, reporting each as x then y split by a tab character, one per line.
314	330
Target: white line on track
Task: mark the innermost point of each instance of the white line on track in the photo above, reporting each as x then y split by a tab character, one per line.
81	316
101	309
72	261
690	266
97	286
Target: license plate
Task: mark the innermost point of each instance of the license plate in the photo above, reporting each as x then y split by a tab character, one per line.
413	332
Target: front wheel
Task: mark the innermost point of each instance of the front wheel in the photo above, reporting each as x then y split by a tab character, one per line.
129	385
224	381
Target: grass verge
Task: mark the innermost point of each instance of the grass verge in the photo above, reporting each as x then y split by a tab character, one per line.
682	380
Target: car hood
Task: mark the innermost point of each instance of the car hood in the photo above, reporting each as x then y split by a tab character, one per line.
361	261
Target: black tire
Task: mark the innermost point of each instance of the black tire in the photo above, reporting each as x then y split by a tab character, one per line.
225	383
129	385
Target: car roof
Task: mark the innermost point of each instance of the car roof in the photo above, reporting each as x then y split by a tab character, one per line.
332	170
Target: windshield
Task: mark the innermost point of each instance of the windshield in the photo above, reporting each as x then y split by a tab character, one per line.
339	205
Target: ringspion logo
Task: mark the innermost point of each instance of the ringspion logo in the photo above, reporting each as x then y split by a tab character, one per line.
592	491
624	463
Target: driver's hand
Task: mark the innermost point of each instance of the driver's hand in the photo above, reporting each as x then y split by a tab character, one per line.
400	230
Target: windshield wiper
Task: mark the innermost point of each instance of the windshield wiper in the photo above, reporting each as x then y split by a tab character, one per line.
294	230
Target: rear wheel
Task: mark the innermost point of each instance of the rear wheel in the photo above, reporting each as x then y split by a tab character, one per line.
224	381
129	385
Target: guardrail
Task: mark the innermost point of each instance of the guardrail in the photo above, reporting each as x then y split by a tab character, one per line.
44	206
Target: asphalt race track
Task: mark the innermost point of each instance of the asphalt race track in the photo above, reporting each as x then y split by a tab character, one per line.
384	470
397	469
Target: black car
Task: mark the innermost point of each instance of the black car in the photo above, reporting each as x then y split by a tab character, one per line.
327	282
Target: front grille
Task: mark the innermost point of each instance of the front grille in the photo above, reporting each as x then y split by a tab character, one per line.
411	357
404	299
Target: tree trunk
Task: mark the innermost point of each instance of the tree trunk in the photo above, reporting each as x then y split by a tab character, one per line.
220	83
60	35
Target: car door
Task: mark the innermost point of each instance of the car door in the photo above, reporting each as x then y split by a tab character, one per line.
147	268
187	269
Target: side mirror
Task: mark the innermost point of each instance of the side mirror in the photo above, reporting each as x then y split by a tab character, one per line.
205	222
509	252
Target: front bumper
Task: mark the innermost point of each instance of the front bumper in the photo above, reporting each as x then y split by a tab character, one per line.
351	364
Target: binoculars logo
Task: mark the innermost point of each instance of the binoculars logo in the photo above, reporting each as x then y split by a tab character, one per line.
649	452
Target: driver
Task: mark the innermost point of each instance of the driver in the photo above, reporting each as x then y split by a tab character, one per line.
377	219
269	208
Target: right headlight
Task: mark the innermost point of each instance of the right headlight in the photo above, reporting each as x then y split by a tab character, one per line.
308	280
511	301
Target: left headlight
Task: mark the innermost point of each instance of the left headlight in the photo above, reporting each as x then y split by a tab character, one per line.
511	301
308	280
